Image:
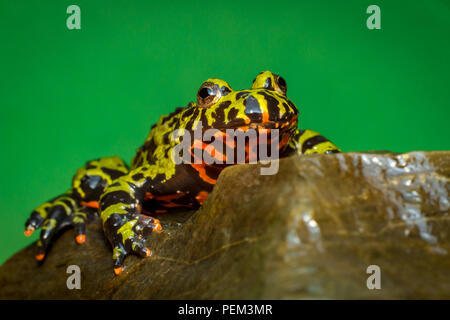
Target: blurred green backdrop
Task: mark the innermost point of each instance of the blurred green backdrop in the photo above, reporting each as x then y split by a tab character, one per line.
68	96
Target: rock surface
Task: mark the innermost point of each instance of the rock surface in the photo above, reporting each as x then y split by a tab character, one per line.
309	231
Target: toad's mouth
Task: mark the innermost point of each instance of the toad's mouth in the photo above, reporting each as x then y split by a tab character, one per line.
239	124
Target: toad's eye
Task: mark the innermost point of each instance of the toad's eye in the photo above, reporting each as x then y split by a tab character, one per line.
208	94
281	86
204	93
270	81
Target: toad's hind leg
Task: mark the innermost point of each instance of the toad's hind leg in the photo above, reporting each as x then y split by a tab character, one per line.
52	216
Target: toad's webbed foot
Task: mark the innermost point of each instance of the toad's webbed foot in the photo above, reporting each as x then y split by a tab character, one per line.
135	243
127	233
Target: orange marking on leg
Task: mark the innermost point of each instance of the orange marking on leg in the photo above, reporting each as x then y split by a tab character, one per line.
148	252
117	271
90	204
80	239
201	196
40	257
28	232
158	227
148	195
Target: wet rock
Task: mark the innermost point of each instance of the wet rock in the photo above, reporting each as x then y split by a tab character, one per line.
310	231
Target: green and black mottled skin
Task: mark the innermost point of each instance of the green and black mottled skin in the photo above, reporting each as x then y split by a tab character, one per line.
155	184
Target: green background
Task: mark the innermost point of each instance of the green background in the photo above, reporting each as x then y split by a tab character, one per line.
68	96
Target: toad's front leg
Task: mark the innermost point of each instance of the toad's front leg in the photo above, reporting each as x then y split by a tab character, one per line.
150	187
123	222
308	142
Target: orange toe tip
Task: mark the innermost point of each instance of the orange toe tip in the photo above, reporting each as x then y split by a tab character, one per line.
158	227
117	271
28	232
40	257
81	238
148	252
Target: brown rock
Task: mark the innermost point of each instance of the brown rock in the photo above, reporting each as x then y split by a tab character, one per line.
309	231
